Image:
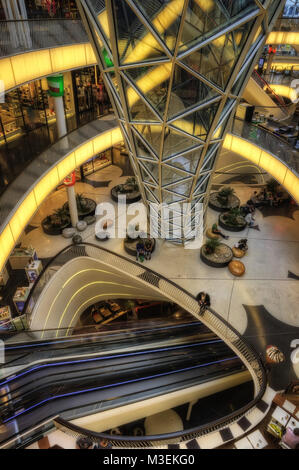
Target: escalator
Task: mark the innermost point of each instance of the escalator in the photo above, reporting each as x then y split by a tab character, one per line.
259	93
74	387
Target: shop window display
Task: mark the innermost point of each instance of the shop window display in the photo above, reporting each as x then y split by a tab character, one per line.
52	9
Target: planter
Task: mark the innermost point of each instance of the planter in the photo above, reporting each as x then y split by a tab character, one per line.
89	211
131	196
219	259
50	229
130	245
233	201
232	228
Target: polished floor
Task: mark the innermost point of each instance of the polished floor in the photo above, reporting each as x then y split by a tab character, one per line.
267	294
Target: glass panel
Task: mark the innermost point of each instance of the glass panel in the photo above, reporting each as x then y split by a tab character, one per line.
216	60
182	188
138	110
170	197
209	158
199	122
150	196
153	83
146	177
165	17
171	176
205	18
152	170
174	143
187	162
99	9
135	43
141	149
201	185
187	91
151	134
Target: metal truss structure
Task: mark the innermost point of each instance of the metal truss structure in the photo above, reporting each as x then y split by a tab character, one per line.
175	71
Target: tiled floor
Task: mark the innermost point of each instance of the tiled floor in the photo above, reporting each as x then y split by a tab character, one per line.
273	254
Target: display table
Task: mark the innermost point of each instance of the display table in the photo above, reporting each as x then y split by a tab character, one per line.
20	298
5	317
257	440
281	415
33	270
20	257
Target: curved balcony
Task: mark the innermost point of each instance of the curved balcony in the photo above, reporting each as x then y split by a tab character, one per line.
269	141
29	35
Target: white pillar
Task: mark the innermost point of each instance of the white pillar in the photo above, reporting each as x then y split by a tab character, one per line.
72	205
60	116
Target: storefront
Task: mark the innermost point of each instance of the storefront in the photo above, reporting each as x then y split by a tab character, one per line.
96	163
28	120
91	98
30	107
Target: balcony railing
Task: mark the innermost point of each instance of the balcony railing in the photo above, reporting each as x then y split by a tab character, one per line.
268	140
28	35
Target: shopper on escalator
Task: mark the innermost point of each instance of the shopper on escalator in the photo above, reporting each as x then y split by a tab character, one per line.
204	301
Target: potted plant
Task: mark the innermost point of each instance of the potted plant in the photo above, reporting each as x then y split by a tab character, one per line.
224	195
85	206
215	253
232	220
211	245
55	223
129	188
224	199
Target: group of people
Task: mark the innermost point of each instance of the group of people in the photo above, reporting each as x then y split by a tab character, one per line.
144	248
265	197
242	244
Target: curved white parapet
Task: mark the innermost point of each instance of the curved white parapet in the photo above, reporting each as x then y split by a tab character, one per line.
288	178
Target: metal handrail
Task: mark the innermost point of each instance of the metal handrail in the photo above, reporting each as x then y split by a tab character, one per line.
267	140
262	83
19	36
183	298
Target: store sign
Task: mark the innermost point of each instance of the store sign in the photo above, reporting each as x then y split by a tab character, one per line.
70	180
55	84
107	59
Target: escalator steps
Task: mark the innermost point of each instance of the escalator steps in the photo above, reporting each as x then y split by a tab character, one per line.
192	444
244	423
226	434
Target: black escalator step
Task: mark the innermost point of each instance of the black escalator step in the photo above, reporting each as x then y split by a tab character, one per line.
226	434
262	406
173	446
244	423
192	444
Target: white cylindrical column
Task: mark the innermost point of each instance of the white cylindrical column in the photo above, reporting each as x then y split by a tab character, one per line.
72	205
60	116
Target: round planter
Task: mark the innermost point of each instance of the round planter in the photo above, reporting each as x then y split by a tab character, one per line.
233	201
220	259
130	197
130	246
231	228
49	230
89	212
